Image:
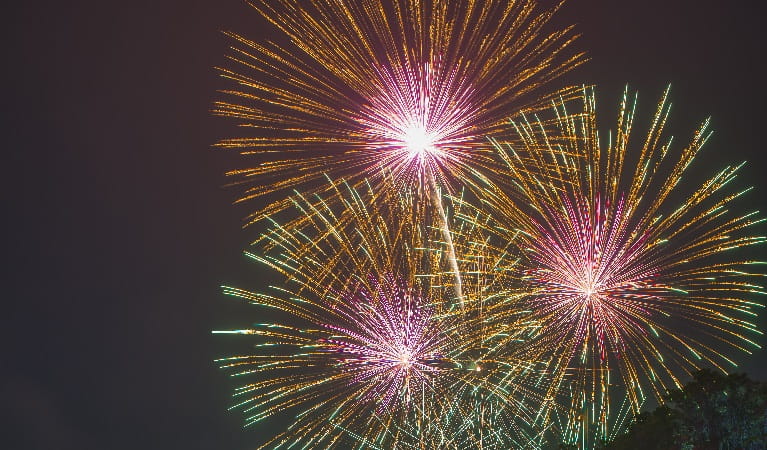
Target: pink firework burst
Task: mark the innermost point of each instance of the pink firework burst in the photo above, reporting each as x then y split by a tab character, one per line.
389	342
595	275
639	278
422	123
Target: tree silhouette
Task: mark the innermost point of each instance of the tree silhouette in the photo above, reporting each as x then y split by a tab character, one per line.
713	411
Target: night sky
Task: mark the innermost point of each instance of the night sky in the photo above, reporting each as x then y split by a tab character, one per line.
118	228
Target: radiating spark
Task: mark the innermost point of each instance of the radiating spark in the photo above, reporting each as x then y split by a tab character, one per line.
389	340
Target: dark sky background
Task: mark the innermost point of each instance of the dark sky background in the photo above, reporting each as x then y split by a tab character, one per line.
118	230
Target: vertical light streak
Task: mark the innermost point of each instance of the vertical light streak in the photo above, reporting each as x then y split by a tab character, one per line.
446	235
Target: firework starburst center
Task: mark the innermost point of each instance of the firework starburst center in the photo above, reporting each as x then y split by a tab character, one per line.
419	142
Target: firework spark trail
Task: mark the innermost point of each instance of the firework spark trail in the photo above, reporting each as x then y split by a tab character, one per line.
411	86
384	348
626	281
436	199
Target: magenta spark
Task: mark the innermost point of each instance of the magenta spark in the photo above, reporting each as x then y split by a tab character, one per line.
389	342
593	272
421	121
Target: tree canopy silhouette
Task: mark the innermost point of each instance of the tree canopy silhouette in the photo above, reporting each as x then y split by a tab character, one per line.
713	411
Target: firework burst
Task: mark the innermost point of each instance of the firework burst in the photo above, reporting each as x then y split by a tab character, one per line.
370	345
412	86
628	281
389	340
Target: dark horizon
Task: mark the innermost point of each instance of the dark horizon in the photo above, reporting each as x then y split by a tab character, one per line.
120	228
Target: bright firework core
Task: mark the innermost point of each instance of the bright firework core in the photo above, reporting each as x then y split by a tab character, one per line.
418	141
405	358
589	288
419	121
